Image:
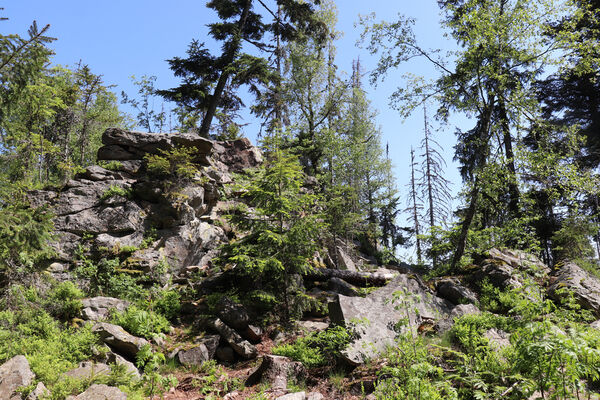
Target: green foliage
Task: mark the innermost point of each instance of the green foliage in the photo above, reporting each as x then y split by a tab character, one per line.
141	322
115	190
177	162
65	300
166	303
317	349
24	236
412	373
281	231
27	329
112	165
150	363
213	381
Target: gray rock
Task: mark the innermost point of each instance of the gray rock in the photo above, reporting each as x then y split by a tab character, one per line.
293	396
237	155
451	290
242	347
444	325
204	350
121	144
314	396
380	315
340	286
225	354
498	338
129	366
98	308
14	374
275	371
506	268
88	370
595	324
195	356
585	288
119	340
100	392
344	260
312	326
253	334
40	392
233	314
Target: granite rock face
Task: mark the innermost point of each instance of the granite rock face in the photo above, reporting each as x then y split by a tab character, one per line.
507	268
379	312
585	287
14	374
126	206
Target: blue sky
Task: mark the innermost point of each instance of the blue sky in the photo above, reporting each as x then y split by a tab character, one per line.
120	38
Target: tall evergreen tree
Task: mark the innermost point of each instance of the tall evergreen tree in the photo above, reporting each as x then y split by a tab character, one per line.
211	82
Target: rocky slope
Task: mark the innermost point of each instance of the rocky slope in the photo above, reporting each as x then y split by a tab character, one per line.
168	234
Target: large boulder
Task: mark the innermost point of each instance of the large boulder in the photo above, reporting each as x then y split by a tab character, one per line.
584	287
98	308
276	371
452	290
119	340
380	311
14	374
100	392
201	352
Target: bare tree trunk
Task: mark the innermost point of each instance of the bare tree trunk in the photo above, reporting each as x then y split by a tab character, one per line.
415	211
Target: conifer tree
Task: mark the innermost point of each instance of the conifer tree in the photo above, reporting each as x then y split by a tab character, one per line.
210	82
280	231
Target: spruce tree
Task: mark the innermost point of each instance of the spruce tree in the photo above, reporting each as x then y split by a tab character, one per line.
211	82
279	231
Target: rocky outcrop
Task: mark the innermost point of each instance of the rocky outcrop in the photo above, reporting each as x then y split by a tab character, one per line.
379	312
14	374
584	287
507	268
126	206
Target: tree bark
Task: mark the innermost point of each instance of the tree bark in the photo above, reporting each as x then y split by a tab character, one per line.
354	277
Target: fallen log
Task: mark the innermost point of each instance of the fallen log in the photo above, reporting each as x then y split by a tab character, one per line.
356	278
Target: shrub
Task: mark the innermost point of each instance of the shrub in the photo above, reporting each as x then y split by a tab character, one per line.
168	303
115	190
65	300
317	349
141	322
177	162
